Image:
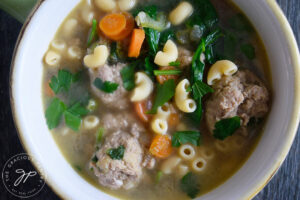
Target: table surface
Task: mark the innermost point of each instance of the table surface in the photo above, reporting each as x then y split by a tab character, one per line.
284	186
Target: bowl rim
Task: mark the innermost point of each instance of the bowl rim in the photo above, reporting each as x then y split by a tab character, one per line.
293	125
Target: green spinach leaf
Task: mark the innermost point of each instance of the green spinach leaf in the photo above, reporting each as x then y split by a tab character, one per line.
116	153
226	127
183	137
106	86
190	185
62	81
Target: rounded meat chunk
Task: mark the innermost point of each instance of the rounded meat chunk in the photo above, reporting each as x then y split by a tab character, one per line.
242	94
118	99
125	173
185	57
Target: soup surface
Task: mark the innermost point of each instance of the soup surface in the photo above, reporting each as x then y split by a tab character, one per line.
151	99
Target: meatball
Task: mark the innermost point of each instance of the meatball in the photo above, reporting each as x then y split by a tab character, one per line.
118	99
185	57
125	173
242	94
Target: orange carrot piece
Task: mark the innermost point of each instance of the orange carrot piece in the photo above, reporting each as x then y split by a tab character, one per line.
163	78
128	29
137	39
141	108
112	24
161	146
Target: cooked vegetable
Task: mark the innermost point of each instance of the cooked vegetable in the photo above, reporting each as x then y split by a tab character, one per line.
200	89
145	21
141	109
152	38
151	10
189	185
127	30
93	33
99	135
106	86
137	39
127	74
248	51
54	113
165	36
94	159
62	81
167	72
73	115
226	127
148	67
112	24
116	153
158	177
161	146
175	64
49	92
164	77
183	137
116	53
164	93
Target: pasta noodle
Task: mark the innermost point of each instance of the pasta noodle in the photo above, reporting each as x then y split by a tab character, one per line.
169	54
220	68
144	87
58	45
168	165
52	58
90	122
181	13
74	52
199	164
182	101
98	58
187	152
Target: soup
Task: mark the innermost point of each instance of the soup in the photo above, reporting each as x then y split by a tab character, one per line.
156	99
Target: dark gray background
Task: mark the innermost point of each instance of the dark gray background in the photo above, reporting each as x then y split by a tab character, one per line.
284	186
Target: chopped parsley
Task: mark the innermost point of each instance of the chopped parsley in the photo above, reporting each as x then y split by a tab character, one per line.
226	127
116	153
74	114
106	86
93	33
62	81
127	74
167	72
54	113
175	64
189	185
200	89
183	137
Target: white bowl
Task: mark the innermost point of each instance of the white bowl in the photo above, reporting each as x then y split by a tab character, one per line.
26	100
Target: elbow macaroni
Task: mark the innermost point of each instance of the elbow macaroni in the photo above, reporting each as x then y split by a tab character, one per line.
98	58
106	5
159	122
220	68
187	152
181	13
52	58
169	54
69	26
58	45
90	122
182	101
74	52
144	87
169	164
182	170
199	164
126	5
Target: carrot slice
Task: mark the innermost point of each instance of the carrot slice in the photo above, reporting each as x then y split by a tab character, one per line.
141	109
163	78
161	146
112	24
137	39
128	29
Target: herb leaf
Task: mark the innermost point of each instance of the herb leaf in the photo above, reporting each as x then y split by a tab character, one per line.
152	38
164	93
158	176
117	153
62	81
99	135
73	115
248	51
167	72
151	10
107	86
165	36
189	185
93	32
183	137
127	74
148	66
54	113
200	89
226	127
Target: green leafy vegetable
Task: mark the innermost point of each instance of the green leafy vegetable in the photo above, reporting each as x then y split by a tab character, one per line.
117	153
152	38
226	127
197	64
73	115
107	86
99	135
189	185
167	72
158	177
183	137
62	81
54	113
175	63
151	10
148	67
165	36
164	93
248	51
116	53
200	89
93	32
127	74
